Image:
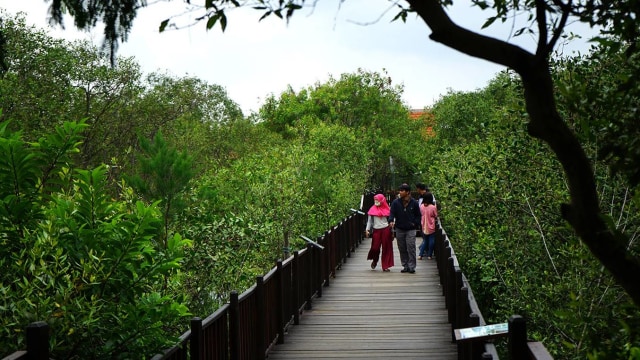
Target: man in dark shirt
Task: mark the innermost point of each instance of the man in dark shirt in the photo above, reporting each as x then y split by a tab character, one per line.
404	218
423	189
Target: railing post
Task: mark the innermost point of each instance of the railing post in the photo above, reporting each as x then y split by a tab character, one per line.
438	248
477	347
344	235
326	258
336	257
444	272
347	231
450	296
38	341
358	228
517	337
467	350
309	272
281	303
350	239
460	301
317	267
234	326
196	345
295	288
361	223
462	312
261	314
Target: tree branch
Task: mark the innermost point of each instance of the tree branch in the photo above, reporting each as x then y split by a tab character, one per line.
566	10
583	212
541	19
445	31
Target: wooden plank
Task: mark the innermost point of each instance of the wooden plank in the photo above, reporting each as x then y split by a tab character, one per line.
18	355
371	314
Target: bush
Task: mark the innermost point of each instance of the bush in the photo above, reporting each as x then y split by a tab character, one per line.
88	265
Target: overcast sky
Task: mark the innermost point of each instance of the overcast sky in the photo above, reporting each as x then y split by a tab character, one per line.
253	59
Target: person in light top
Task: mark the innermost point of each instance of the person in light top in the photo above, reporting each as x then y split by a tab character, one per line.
382	238
428	222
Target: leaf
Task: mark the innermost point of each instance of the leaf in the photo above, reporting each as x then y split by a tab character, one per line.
401	15
489	22
212	21
265	15
223	21
482	4
163	25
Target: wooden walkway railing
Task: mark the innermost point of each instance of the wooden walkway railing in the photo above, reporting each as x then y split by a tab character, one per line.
371	314
463	312
347	310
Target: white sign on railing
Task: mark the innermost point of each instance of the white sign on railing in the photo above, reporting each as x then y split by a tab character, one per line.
482	332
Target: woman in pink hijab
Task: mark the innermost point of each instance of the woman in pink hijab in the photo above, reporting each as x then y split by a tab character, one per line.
381	236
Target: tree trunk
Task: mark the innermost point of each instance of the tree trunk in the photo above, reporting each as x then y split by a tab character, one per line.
582	212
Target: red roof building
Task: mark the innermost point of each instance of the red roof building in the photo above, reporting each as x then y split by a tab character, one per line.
425	116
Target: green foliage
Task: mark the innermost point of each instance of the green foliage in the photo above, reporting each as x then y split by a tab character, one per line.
499	192
164	174
257	195
108	263
195	117
341	170
244	217
601	101
49	79
298	199
228	252
90	266
468	117
31	94
366	102
31	172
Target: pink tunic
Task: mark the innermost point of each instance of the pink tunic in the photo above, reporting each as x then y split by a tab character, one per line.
429	215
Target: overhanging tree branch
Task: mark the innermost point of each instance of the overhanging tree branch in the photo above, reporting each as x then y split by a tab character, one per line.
541	19
446	32
566	10
583	211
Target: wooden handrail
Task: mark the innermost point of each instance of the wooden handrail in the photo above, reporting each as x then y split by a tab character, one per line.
464	312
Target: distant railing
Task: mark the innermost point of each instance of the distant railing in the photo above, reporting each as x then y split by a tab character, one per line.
463	312
252	322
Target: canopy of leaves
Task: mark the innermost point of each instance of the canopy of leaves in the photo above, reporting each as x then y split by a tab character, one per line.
498	191
74	257
370	105
49	79
602	95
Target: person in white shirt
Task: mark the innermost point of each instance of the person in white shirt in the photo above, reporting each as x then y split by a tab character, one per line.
381	235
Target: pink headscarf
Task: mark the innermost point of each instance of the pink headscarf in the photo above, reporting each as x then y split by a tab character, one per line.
383	209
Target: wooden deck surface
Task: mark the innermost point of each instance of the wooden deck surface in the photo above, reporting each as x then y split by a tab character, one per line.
371	314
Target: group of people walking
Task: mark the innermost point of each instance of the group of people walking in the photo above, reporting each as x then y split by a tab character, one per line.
404	217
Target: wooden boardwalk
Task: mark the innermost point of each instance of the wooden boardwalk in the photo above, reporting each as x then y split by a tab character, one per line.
371	314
